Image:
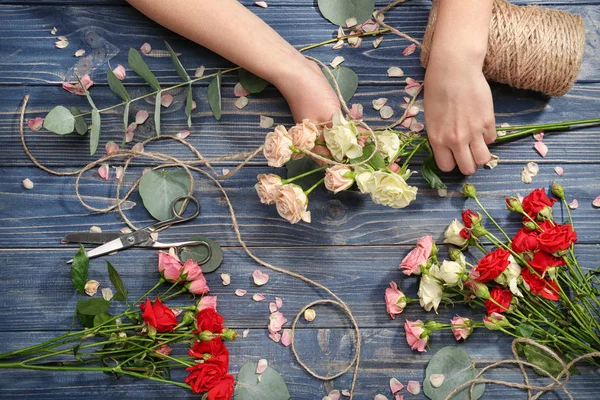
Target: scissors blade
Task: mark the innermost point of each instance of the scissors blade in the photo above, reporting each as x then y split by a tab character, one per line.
106	248
90	237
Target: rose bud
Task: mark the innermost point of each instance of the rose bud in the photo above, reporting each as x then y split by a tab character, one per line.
455	254
529	225
268	187
558	190
206	336
478	289
188	318
469	191
496	321
229	334
513	204
478	230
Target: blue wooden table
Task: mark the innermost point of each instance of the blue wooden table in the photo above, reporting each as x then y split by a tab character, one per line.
352	246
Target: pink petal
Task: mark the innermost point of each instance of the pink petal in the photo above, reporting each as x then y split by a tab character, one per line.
111	147
407	122
596	202
356	112
286	338
416	126
413	387
541	148
262	4
239	91
395	385
130	132
79	53
183	134
334	394
139	147
539	136
141	117
276	321
27	183
86	81
146	48
207	302
119	72
260	278
193	105
414	110
103	171
119	171
258	297
240	292
574	204
35	124
409	50
380	397
262	366
272	307
278	302
346	393
166	100
274	336
399	396
559	171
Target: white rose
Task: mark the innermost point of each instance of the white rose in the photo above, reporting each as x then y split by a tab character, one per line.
277	149
450	272
268	187
341	138
509	277
430	292
392	190
291	203
388	144
303	135
364	179
452	234
336	178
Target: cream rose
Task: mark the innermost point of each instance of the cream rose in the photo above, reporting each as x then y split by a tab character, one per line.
430	292
452	234
390	189
388	144
277	149
510	276
303	136
267	187
337	178
291	203
450	272
341	138
364	179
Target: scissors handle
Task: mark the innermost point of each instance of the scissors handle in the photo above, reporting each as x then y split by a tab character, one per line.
177	217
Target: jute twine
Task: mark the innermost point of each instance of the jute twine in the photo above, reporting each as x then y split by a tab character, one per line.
529	47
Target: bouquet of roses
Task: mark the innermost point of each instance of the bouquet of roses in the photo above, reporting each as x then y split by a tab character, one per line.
139	340
531	285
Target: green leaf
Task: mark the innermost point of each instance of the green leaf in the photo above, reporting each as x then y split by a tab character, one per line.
346	79
377	162
456	366
60	121
160	188
95	132
214	96
188	105
102	318
542	359
86	320
430	173
80	124
116	85
93	306
76	351
338	11
139	66
117	282
524	330
157	111
270	387
177	64
300	166
199	253
251	82
79	269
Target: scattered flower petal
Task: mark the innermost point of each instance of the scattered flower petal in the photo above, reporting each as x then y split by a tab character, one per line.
119	171
274	336
436	380
166	100
62	43
378	103
278	302
337	61
240	292
416	126
539	136
380	397
493	163
111	147
107	293
413	387
207	302
241	102
119	72
354	41
146	48
395	385
95	229
226	279
125	231
541	148
35	124
413	111
260	278
272	307
27	184
351	22
559	171
533	168
239	91
276	321
79	53
378	15
199	73
245	333
140	117
340	32
76	88
596	202
286	337
526	176
194	105
377	42
574	204
258	297
104	171
356	111
262	4
266	122
409	50
262	366
91	287
309	314
334	394
338	45
395	72
386	112
399	396
130	132
138	147
368	26
53	31
183	134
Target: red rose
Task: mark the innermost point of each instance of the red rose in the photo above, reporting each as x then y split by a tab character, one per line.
546	288
469	218
536	202
209	320
502	297
524	241
557	238
223	390
491	265
214	347
207	375
542	261
158	315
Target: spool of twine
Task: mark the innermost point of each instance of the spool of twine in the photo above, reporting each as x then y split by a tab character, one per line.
529	47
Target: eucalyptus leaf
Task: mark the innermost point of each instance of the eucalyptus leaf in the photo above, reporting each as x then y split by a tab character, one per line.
102	318
86	320
95	132
346	79
88	96
60	121
214	96
455	364
524	330
177	64
157	111
80	124
160	188
93	306
542	359
79	269
116	85
338	11
251	82
125	121
271	385
139	66
199	253
188	105
300	166
117	282
430	172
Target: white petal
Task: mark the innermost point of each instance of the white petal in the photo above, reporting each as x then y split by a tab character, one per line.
559	171
53	31
386	112
272	307
337	61
241	102
493	163
226	278
95	229
245	333
377	42
436	380
533	168
107	294
346	393
240	292
574	204
338	45
258	297
262	4
146	48
351	22
27	184
380	397
378	103
262	366
395	72
266	122
199	72
526	176
79	53
413	387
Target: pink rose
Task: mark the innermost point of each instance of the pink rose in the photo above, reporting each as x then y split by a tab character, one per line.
207	302
417	256
395	300
198	286
169	267
165	349
461	327
336	178
268	187
303	136
191	270
277	149
414	330
291	203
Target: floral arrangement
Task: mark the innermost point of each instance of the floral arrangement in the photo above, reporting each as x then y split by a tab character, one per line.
530	285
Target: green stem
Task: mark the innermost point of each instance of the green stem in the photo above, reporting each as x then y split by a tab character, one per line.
334	40
175	294
491	219
412	153
313	187
565	124
294	178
